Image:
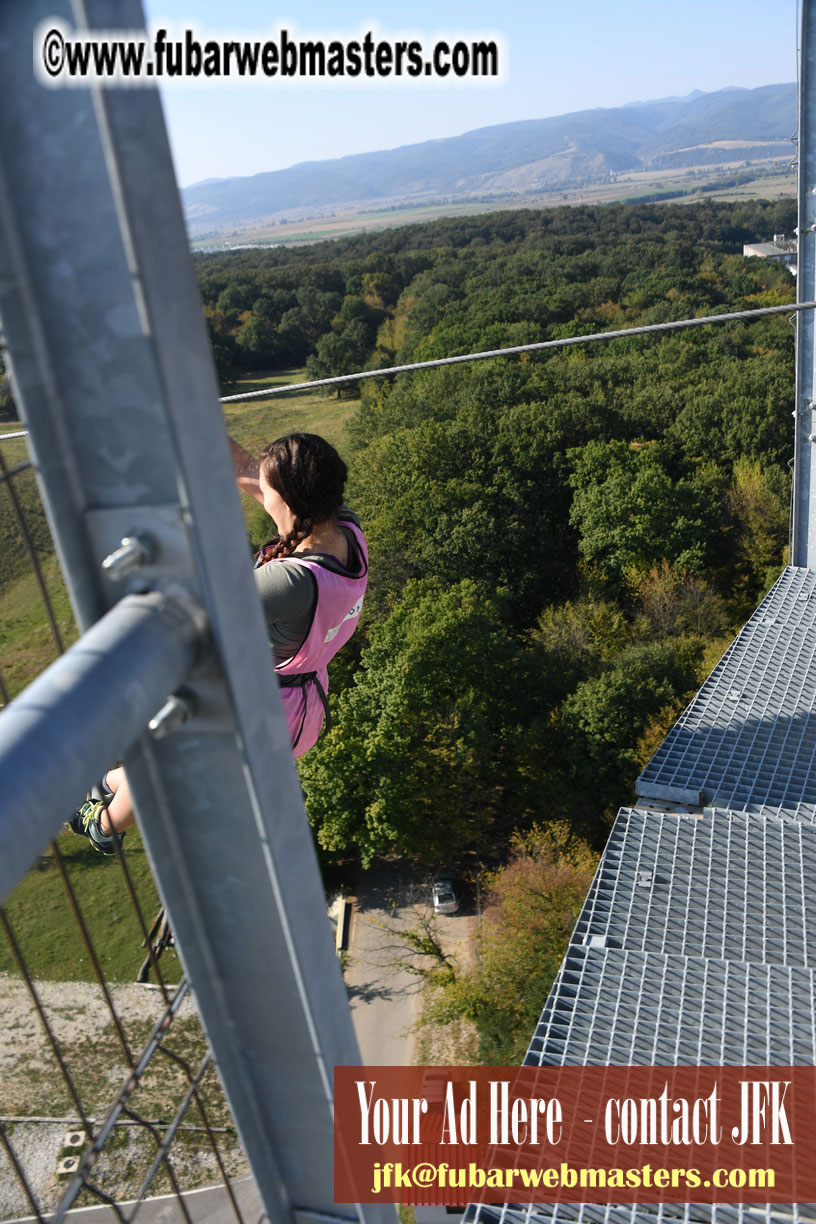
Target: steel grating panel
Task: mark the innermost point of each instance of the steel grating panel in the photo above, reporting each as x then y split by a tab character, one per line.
727	885
747	741
616	1007
648	1213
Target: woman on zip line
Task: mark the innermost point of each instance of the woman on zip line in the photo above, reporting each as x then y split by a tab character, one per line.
311	578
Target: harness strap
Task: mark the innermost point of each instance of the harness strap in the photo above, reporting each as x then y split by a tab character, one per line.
301	680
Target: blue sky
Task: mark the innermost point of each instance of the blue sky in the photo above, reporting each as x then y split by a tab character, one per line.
560	57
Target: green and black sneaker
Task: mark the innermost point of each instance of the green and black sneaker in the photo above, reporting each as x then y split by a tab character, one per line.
85	822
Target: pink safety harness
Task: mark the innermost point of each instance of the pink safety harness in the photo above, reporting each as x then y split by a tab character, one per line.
304	678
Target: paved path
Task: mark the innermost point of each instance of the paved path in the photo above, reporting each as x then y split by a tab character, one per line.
384	998
207	1206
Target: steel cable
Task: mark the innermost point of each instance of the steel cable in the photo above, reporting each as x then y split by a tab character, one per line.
622	333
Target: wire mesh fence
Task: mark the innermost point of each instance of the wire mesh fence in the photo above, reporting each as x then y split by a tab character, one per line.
35	615
108	1090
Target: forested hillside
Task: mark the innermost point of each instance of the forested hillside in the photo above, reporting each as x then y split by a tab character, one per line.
562	543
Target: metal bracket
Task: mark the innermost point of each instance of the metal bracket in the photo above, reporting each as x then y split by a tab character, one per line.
158	548
167	568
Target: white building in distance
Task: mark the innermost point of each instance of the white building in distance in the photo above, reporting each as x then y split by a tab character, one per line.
783	249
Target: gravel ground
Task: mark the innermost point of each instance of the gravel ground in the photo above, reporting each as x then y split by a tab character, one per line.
31	1086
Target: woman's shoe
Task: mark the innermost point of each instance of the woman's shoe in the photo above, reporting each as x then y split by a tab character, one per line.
85	822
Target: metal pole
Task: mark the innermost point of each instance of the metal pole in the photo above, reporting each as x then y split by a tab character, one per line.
803	541
108	684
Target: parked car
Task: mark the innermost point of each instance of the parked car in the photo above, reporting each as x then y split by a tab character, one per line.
446	897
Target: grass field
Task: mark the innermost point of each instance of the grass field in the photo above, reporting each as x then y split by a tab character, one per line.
257	422
15	450
40	915
26	641
260	421
38	909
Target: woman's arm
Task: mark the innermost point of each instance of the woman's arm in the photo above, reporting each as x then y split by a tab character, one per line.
246	470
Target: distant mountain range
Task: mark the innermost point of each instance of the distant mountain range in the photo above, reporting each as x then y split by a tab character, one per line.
703	129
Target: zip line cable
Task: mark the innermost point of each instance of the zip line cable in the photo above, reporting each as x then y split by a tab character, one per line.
622	333
519	348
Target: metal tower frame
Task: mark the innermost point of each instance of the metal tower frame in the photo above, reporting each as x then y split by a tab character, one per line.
111	369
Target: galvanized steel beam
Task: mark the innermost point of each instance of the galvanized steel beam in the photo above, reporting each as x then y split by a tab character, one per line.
803	534
112	371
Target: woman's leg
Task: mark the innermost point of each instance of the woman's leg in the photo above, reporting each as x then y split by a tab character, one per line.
118	815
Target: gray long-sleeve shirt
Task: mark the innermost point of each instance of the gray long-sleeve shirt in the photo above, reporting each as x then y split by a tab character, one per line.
289	593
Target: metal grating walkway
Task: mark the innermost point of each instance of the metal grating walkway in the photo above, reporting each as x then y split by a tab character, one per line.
727	886
627	1008
695	946
654	1213
748	739
697	941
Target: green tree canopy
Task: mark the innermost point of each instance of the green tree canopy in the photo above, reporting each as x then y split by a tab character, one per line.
340	353
629	510
257	343
433	745
531	906
604	717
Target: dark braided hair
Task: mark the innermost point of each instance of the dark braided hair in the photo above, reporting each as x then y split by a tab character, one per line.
310	476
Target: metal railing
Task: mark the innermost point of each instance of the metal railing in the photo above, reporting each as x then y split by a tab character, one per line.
10	476
41	1181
